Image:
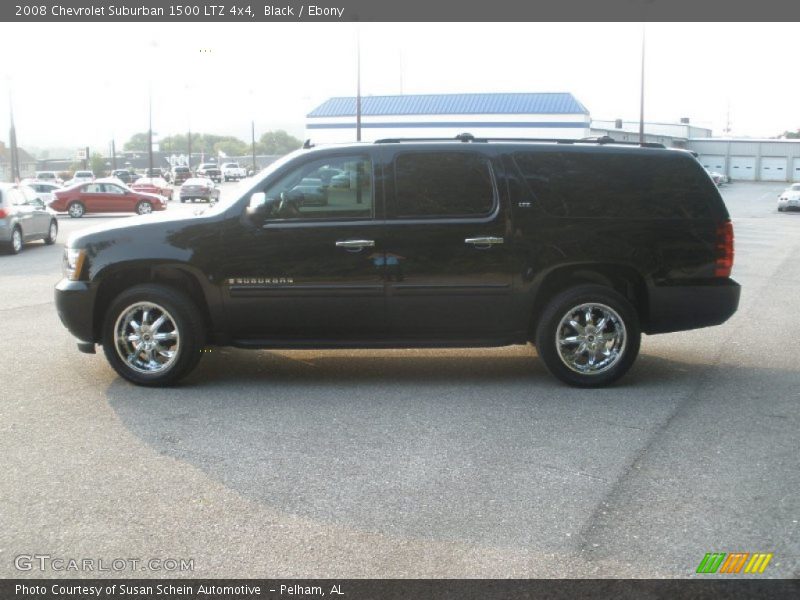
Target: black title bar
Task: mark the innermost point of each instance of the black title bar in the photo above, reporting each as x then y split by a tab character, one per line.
399	10
735	588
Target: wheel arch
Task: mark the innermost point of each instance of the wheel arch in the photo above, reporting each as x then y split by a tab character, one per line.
113	281
622	278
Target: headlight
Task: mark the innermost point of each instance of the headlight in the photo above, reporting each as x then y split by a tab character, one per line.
73	263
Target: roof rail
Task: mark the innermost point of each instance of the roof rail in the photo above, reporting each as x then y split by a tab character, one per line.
469	138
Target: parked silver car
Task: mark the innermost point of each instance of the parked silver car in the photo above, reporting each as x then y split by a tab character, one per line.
24	218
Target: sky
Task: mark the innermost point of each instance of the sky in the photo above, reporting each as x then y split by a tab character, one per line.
77	85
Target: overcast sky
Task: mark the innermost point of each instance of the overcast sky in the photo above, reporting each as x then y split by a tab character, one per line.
80	84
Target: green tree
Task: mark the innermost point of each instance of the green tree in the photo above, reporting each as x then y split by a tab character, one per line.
231	146
97	164
791	135
137	143
277	142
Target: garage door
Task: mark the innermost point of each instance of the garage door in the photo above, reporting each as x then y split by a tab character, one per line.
773	168
713	162
743	167
796	169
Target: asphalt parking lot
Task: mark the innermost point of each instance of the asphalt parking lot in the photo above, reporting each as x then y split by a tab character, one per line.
440	463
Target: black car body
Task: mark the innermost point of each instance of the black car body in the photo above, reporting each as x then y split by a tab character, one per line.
576	247
125	176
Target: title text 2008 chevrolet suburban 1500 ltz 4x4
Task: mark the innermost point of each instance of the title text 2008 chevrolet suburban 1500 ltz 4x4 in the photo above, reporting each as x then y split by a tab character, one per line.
577	247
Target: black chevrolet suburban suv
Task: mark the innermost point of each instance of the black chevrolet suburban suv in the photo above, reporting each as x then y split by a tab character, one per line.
578	247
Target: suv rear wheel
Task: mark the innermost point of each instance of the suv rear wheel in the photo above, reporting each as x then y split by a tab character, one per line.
588	336
153	335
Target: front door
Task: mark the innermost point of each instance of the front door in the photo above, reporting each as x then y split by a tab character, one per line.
311	267
449	259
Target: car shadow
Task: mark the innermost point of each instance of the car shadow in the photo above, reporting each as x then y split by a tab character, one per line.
451	445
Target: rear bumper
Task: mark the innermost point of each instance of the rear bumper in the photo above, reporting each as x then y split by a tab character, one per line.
682	307
75	306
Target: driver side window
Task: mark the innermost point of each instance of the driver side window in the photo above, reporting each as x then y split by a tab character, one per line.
338	187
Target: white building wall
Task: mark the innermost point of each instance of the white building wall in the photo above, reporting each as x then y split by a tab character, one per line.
343	129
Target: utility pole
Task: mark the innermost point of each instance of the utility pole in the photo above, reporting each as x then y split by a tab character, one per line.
641	91
113	155
189	154
358	85
12	140
150	133
253	142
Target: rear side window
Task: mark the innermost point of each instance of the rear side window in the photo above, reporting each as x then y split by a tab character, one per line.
572	184
443	184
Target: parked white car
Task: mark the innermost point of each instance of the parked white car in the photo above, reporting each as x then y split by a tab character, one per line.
789	198
232	171
44	190
80	177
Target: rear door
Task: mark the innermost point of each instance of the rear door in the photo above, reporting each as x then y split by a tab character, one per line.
449	260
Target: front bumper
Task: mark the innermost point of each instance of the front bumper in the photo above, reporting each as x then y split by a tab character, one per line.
75	305
682	307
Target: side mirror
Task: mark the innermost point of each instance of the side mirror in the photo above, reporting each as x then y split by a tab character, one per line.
258	204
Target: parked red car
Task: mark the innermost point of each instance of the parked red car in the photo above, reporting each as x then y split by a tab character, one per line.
153	185
102	197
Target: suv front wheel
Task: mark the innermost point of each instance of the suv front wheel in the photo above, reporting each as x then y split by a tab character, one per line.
588	336
153	335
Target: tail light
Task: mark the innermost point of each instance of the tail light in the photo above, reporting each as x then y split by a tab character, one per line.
724	261
3	213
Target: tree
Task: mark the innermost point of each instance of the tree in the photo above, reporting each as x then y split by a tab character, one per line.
98	164
277	142
790	135
230	146
137	143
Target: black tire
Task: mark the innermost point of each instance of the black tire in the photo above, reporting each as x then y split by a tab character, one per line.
182	315
622	332
76	210
144	208
14	245
52	233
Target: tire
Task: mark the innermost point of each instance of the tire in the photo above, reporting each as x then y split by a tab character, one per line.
144	208
52	233
76	210
566	349
183	200
170	313
14	245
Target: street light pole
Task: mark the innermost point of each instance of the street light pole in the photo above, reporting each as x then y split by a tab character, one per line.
641	91
150	134
358	85
12	141
253	142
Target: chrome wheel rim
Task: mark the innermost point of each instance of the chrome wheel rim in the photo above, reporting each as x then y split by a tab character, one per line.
16	240
145	208
146	337
75	210
591	338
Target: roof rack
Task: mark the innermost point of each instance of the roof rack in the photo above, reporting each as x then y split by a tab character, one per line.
469	138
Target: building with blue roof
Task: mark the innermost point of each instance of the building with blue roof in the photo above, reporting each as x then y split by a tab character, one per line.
537	115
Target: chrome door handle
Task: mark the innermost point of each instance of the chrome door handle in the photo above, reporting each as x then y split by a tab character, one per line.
484	241
355	245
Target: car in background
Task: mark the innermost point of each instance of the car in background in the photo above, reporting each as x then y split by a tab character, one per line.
50	176
80	177
153	185
233	172
210	170
199	188
125	176
44	190
717	178
789	198
180	174
24	218
104	196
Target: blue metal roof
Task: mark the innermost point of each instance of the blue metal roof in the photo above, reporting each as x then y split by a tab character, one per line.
453	104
